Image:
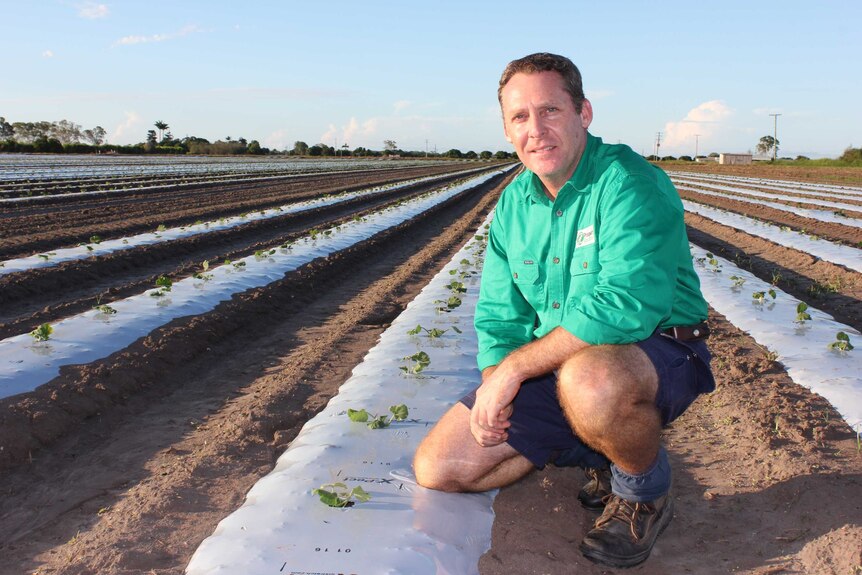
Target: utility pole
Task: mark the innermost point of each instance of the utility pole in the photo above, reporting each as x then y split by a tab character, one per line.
696	139
774	134
426	148
657	144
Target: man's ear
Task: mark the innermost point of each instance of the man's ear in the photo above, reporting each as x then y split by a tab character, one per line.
586	114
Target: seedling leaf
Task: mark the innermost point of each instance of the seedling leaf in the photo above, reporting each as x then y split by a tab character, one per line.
399	412
43	332
378	422
357	415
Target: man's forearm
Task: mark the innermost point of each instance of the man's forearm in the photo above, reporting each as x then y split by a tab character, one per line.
541	356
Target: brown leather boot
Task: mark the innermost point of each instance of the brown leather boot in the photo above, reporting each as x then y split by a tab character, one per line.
625	532
596	489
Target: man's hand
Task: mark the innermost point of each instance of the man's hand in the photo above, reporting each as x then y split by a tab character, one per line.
489	418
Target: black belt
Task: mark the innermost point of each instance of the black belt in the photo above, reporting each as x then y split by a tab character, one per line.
688	332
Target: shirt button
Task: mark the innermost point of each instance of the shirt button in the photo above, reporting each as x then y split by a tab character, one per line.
515	276
556	260
559	213
556	305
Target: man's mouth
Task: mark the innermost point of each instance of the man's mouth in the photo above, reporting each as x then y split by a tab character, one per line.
543	149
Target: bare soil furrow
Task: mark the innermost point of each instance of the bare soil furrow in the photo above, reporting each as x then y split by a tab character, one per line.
176	440
824	285
827	230
24	233
30	298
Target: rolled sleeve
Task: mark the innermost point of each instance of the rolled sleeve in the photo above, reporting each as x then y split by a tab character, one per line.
637	256
504	320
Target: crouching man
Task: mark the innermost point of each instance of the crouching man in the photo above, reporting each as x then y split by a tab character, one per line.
590	320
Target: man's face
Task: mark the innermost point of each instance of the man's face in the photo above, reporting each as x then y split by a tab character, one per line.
540	120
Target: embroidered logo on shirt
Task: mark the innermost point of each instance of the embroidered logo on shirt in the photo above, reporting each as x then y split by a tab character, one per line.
528	262
586	237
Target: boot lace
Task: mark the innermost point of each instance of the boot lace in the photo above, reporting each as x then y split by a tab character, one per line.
618	509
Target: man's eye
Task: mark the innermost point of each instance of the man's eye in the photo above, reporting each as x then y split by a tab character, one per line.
552	109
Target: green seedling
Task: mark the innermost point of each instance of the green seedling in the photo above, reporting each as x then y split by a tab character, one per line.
202	275
338	494
760	296
161	228
457	287
105	309
433	332
164	284
449	304
239	265
737	281
801	314
261	254
398	413
43	332
44	256
419	361
95	240
841	343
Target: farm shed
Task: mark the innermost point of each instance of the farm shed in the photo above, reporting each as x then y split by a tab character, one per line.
736	159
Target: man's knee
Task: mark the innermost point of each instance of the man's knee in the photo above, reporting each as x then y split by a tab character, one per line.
431	468
600	383
437	462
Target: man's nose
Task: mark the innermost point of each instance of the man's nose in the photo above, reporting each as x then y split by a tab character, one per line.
536	126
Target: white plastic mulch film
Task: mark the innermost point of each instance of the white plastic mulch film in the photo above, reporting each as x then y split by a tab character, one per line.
404	528
770	316
98	247
26	364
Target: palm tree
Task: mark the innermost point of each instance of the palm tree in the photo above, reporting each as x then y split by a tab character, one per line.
161	126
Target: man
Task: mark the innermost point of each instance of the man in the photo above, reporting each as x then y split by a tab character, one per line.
590	322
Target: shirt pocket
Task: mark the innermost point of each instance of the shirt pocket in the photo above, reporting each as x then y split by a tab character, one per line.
527	277
585	261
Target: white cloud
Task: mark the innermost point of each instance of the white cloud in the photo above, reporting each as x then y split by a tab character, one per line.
47	54
401	105
91	10
123	133
277	141
706	121
130	40
350	133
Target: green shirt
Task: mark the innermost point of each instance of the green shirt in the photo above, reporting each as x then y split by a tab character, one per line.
608	259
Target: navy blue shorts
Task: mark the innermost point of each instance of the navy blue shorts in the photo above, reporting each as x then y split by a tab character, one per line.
541	433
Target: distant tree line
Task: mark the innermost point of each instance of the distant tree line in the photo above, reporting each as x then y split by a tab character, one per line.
65	136
54	137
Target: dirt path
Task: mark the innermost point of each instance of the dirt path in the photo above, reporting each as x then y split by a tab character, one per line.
137	457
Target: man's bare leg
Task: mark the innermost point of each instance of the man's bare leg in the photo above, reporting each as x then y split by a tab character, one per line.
608	395
449	459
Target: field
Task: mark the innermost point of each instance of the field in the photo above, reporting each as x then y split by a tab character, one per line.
125	463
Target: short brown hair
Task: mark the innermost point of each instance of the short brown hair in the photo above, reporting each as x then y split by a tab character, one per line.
545	62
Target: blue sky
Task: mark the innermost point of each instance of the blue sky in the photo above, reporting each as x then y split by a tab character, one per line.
425	74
